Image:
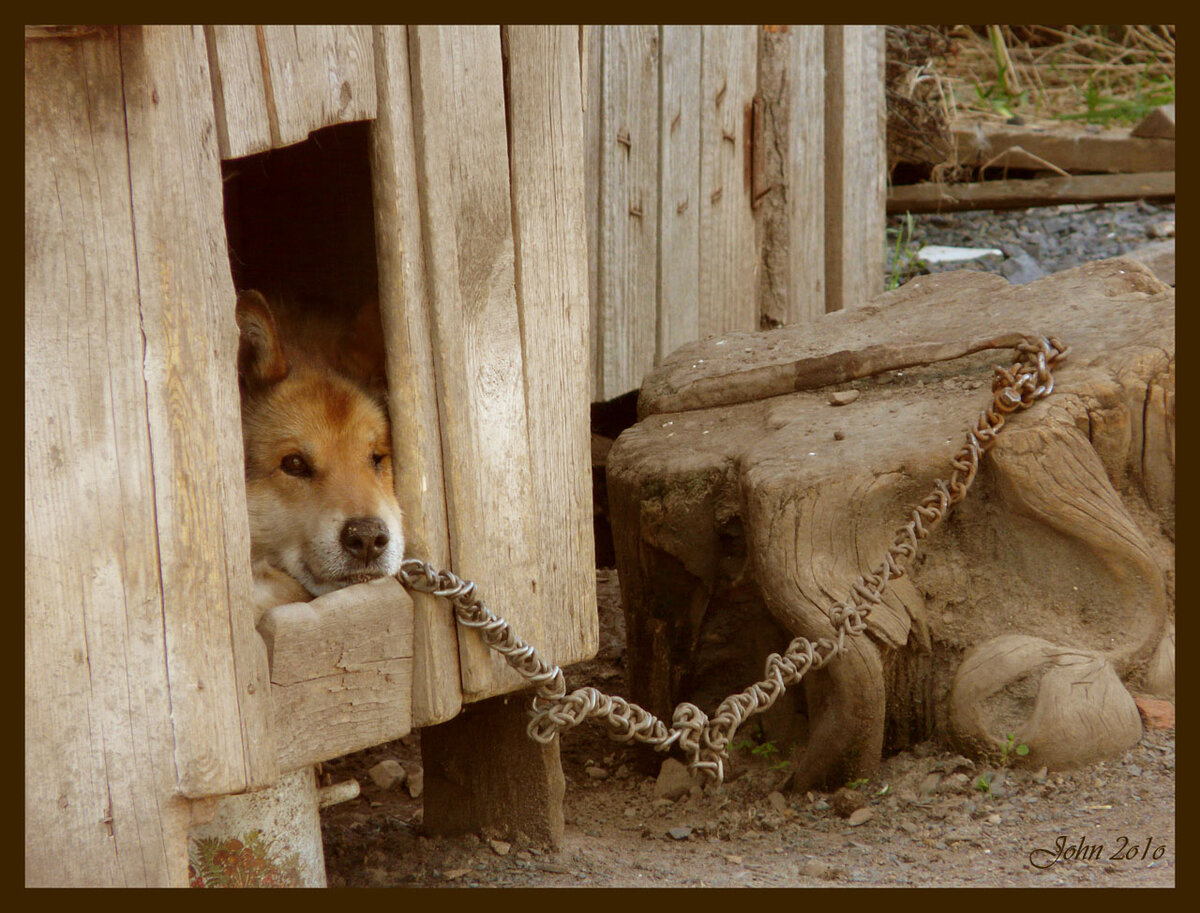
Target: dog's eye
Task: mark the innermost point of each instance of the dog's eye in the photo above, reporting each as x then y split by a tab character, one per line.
295	465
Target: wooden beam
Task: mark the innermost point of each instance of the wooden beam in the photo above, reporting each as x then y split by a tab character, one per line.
1084	188
1067	146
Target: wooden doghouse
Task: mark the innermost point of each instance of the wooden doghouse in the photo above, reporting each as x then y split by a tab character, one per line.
148	689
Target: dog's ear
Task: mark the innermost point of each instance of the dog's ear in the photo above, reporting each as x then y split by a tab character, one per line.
361	354
261	361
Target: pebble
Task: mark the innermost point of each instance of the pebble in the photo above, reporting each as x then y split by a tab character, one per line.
500	847
597	773
844	397
680	833
859	817
415	782
387	773
674	780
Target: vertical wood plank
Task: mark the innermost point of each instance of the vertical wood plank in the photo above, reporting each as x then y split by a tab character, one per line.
855	163
412	388
679	190
100	790
592	51
792	212
628	268
220	702
728	250
319	75
239	96
463	176
546	155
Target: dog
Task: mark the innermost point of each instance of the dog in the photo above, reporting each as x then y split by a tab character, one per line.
319	476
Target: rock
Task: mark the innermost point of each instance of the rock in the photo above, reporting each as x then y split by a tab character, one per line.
416	782
597	773
1160	257
387	774
733	859
1161	230
500	847
778	803
680	833
815	868
1020	268
674	780
1157	714
844	397
847	801
860	816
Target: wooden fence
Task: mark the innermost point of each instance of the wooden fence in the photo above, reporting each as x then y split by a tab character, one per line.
735	180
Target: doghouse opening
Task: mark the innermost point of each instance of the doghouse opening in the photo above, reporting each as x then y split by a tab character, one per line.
300	221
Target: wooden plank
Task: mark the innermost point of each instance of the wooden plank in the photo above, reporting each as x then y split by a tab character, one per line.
592	64
463	178
239	95
220	703
412	388
318	75
679	190
100	791
628	267
728	250
791	82
546	136
855	164
341	671
1080	188
1067	146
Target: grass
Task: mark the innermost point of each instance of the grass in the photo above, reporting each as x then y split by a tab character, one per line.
1090	73
905	264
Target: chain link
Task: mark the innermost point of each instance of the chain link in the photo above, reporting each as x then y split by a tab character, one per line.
704	740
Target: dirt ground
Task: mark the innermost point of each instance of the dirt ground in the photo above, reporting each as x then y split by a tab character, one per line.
925	821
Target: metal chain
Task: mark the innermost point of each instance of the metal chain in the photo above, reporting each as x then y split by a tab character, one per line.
706	740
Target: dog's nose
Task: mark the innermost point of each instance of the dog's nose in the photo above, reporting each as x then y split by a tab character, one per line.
365	538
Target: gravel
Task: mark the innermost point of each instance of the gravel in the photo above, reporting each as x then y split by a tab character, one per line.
1035	242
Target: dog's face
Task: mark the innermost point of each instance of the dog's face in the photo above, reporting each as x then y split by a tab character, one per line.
319	484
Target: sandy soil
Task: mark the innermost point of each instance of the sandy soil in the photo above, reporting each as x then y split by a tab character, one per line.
925	821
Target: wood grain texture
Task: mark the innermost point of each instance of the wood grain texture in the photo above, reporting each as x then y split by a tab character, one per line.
546	155
679	190
100	790
1078	188
412	388
592	64
463	178
220	704
239	95
805	174
628	267
341	671
1071	147
317	75
728	252
855	164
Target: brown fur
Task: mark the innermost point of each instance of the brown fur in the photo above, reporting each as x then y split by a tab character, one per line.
319	483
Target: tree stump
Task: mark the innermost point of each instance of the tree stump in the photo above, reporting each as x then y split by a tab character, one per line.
745	502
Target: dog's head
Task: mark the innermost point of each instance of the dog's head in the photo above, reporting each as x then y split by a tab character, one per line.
319	485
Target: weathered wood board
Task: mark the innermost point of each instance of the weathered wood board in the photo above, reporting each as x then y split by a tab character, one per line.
1018	194
855	164
216	660
275	84
341	669
1067	146
546	140
412	388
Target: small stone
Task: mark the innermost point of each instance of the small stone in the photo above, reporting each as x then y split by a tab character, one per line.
387	774
839	435
674	780
815	868
416	782
992	819
860	816
733	859
680	833
844	397
524	856
778	803
1161	230
847	801
597	773
930	784
1156	714
631	812
453	874
500	847
1040	776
